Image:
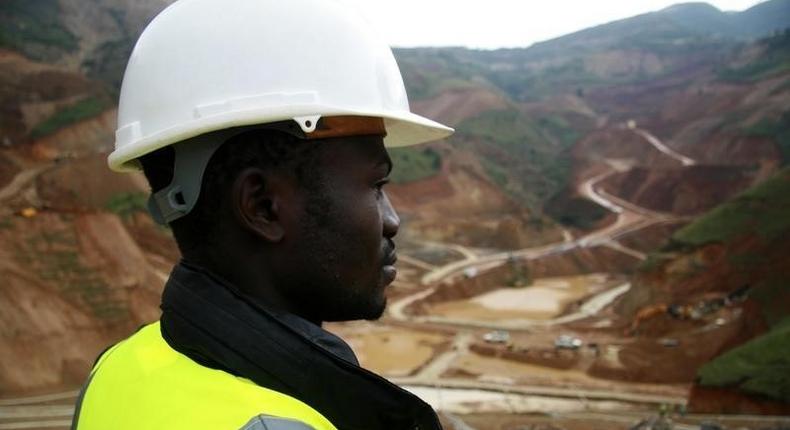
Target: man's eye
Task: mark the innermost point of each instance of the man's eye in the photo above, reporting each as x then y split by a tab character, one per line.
380	184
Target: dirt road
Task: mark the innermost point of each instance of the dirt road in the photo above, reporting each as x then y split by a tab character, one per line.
682	159
20	181
50	411
630	218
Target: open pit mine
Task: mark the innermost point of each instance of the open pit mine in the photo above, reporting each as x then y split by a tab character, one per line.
601	245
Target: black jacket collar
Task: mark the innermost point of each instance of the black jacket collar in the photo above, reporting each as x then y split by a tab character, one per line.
211	322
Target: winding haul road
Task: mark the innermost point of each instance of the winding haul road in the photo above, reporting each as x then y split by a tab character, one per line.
682	159
54	411
629	218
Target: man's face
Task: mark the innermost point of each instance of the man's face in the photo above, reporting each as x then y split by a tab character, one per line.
341	242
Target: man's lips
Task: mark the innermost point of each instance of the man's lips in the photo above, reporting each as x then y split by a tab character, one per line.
391	259
388	269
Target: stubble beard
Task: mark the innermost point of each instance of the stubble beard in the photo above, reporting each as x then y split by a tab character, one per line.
325	294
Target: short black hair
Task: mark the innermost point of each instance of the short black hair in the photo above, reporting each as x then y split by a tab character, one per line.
262	148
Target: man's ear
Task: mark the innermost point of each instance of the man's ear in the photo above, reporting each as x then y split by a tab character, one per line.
256	204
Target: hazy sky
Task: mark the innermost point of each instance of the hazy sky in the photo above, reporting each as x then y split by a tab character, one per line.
501	23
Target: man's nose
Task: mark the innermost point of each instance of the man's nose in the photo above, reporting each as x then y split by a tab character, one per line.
390	218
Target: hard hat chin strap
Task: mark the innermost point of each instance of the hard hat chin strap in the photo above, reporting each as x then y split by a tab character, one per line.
177	199
191	159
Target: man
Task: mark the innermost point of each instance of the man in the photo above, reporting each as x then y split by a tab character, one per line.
261	126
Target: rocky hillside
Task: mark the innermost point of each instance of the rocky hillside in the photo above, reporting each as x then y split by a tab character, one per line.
83	261
722	104
728	268
518	111
81	267
61	62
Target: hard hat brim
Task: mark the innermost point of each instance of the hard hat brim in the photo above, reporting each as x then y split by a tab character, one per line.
403	129
412	129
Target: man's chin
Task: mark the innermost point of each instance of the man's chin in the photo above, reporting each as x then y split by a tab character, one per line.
369	312
377	313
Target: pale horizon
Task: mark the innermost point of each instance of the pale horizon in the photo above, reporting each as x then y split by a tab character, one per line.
501	23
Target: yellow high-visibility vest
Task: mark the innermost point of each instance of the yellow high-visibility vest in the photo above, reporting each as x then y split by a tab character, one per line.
142	383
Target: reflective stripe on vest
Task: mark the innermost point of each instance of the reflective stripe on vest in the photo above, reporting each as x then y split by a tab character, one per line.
142	383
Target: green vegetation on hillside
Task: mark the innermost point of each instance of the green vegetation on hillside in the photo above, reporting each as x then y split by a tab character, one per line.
429	71
779	130
670	43
520	276
538	83
33	28
763	210
498	175
752	228
773	296
558	127
83	109
775	59
574	212
53	255
126	204
412	164
760	366
108	61
523	155
503	127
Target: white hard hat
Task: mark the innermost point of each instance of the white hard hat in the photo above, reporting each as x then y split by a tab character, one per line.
207	65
